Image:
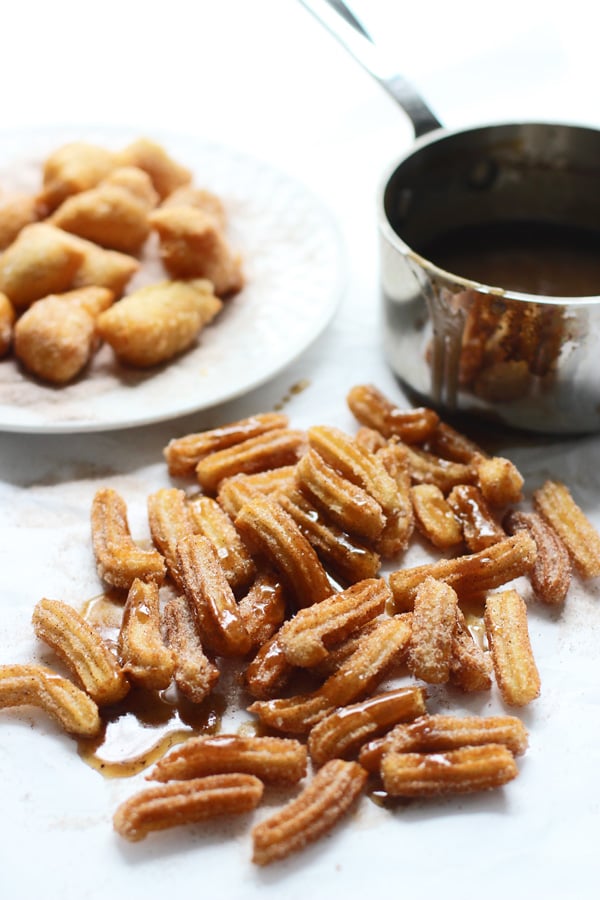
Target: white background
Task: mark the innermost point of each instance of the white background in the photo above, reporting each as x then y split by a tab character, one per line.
264	78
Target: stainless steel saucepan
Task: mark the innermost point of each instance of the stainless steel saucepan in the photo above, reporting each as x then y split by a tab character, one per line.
490	260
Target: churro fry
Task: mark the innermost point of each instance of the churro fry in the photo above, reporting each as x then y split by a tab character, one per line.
439	733
434	516
451	444
183	454
479	527
472	575
470	667
347	504
269	450
268	672
82	649
307	637
399	525
554	502
219	621
358	675
456	771
118	558
551	574
374	410
508	635
268	529
263	608
313	813
28	685
343	731
343	555
355	463
144	657
195	675
274	760
433	625
170	521
184	802
499	479
426	468
211	520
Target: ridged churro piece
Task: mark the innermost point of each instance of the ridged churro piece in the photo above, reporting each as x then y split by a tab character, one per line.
426	468
274	760
183	454
451	444
268	672
551	574
471	575
170	521
324	801
370	439
340	653
195	675
269	530
184	802
434	516
343	555
234	493
216	612
470	667
455	772
211	520
355	463
144	657
439	733
374	410
82	649
433	625
343	731
479	527
554	502
347	504
499	479
399	525
119	560
263	608
508	636
307	637
274	448
356	678
29	685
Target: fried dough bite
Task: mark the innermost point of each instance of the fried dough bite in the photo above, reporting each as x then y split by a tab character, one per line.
17	211
197	198
55	339
192	245
159	321
7	320
41	261
101	267
74	167
166	174
109	215
134	180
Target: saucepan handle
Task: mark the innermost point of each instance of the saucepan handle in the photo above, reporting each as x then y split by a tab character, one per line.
339	19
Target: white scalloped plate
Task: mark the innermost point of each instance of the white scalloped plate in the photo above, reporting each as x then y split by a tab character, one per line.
292	262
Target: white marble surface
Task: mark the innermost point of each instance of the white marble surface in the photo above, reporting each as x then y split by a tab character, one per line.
263	78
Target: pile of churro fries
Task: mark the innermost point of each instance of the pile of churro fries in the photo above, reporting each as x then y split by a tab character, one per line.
271	560
69	251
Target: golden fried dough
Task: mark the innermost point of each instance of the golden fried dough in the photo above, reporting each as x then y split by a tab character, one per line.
72	168
41	261
17	211
166	174
7	321
109	215
192	245
55	339
158	322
